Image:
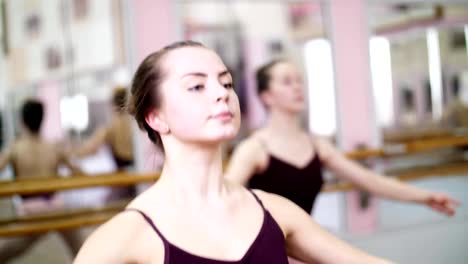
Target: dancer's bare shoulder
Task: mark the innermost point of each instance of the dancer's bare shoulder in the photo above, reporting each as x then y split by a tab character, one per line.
126	238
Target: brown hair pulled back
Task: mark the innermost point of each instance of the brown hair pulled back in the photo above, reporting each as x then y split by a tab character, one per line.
263	75
145	89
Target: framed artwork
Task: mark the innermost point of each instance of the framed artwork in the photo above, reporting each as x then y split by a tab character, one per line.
80	9
32	25
305	19
53	58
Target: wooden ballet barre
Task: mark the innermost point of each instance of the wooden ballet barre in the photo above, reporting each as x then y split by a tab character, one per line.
39	186
364	154
72	219
424	145
408	136
122	179
418	173
411	147
65	213
59	224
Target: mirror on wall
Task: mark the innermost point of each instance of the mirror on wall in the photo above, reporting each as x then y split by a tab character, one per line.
48	55
294	30
418	60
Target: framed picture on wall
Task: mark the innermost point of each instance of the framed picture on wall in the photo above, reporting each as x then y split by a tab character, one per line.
53	58
32	25
305	19
80	9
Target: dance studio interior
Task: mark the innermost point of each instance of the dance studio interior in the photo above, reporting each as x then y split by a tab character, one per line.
380	92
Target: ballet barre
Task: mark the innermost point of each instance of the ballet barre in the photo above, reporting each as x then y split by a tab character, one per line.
62	223
411	147
412	174
28	187
76	218
403	136
52	184
37	186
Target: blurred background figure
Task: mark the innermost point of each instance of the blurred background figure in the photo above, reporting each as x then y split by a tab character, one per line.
117	134
32	157
283	158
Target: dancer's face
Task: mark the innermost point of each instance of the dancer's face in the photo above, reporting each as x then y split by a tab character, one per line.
285	88
199	104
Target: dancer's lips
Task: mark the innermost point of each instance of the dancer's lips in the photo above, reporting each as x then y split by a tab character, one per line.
223	116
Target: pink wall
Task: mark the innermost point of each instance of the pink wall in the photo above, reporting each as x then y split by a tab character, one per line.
352	71
153	28
356	121
361	220
49	93
256	55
